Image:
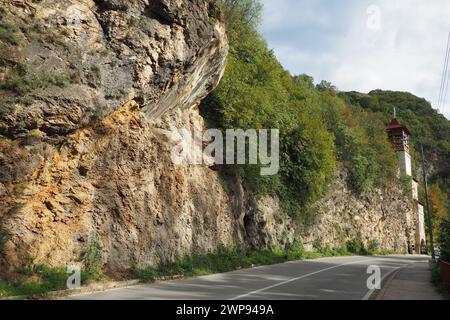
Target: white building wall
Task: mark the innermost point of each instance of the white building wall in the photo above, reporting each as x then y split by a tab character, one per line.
405	163
421	223
415	190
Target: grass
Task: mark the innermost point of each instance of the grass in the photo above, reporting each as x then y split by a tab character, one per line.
218	261
436	279
34	133
229	259
4	237
21	81
36	281
25	100
114	95
8	33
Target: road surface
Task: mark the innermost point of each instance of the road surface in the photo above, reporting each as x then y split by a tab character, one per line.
343	278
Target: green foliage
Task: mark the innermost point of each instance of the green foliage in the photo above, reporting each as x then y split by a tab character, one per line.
93	260
439	207
35	281
361	142
21	81
406	182
326	86
6	109
444	240
57	79
326	251
4	237
221	260
356	246
318	127
436	279
8	33
373	247
241	16
256	93
427	125
147	274
295	251
25	100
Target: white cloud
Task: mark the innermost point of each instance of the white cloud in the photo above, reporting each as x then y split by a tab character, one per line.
406	54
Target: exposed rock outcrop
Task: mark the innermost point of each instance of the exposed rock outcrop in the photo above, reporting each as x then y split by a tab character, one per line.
385	216
77	165
77	61
115	185
90	93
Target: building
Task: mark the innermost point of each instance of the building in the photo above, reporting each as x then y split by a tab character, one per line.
420	234
399	136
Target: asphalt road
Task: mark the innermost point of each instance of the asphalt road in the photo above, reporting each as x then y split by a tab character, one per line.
343	278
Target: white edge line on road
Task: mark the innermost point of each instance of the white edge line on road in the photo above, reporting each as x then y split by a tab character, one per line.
370	292
297	278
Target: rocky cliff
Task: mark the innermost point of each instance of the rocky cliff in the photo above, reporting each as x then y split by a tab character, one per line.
386	217
90	92
78	164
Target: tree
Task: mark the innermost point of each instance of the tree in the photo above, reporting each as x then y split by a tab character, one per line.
241	16
326	86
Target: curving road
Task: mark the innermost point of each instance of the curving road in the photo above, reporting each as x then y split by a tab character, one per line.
343	278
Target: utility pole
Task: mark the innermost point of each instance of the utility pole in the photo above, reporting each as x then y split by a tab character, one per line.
430	228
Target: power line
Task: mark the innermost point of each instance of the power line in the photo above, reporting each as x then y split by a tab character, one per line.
444	72
444	99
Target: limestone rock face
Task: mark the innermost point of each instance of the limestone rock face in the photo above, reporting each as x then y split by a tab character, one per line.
114	185
86	89
385	216
75	61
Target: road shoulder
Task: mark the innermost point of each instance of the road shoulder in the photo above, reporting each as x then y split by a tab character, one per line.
412	282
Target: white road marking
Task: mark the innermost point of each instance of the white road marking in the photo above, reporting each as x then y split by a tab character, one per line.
297	278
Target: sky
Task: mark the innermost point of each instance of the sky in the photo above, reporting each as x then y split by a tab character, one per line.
363	45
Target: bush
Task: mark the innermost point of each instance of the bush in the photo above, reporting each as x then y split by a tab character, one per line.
444	240
406	182
93	260
317	125
256	93
356	246
220	260
148	274
35	281
373	247
21	81
8	33
4	237
295	250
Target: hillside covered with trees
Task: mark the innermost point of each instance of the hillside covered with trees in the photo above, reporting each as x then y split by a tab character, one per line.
321	128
